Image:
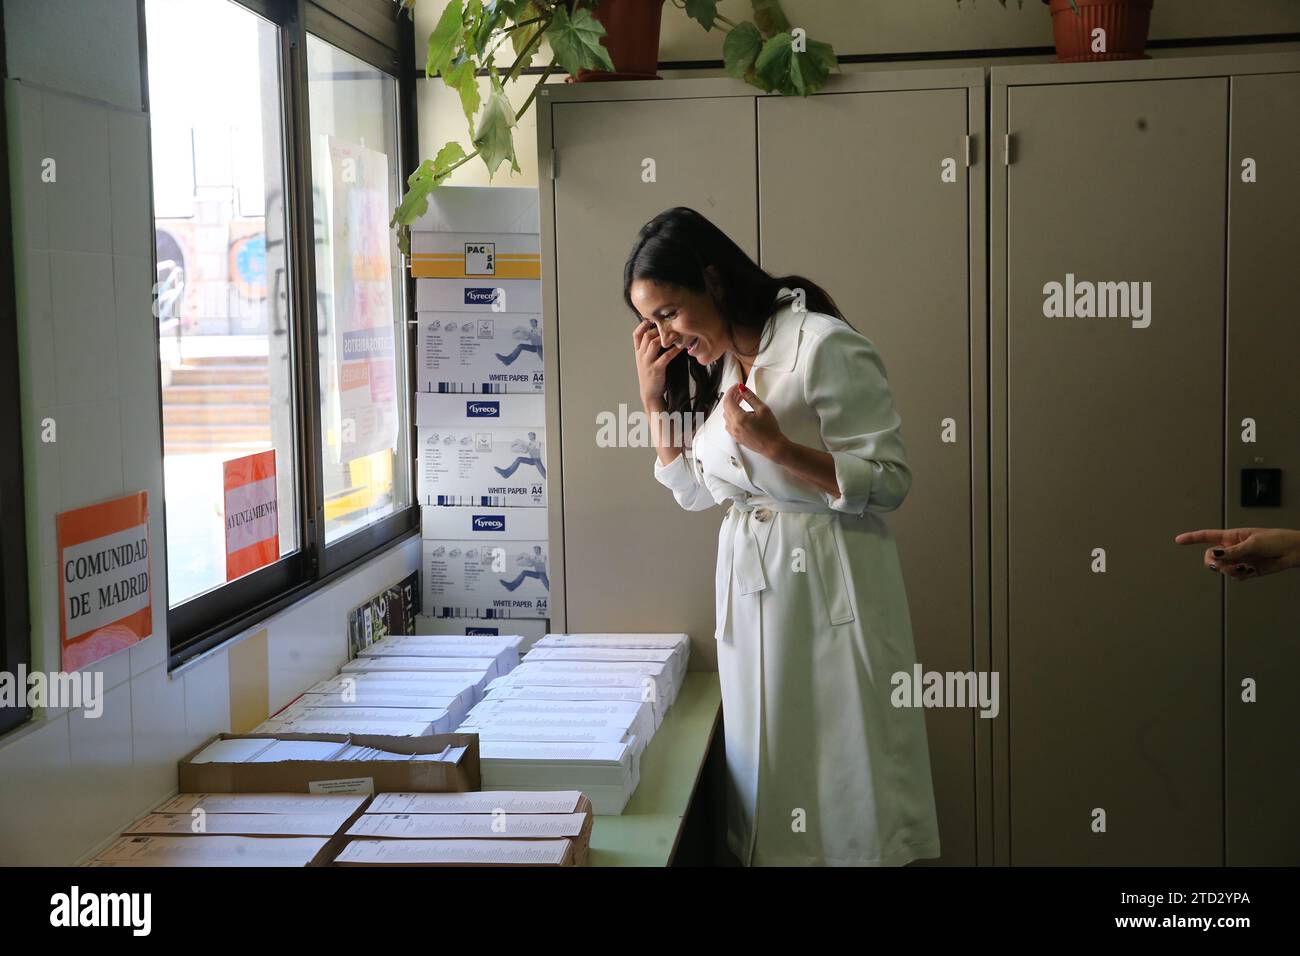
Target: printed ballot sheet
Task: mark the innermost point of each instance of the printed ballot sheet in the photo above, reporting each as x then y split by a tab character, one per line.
343	805
447	826
456	852
530	801
240	824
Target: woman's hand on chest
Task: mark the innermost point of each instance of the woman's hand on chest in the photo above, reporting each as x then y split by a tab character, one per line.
759	431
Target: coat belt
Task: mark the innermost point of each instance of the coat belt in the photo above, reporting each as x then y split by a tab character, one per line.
746	555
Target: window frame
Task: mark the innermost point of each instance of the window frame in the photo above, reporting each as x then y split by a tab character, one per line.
15	641
383	37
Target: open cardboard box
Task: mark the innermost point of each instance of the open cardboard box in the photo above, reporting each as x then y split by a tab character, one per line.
340	776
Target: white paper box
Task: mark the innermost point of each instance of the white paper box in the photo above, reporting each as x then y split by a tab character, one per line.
484	354
481	451
486	562
499	296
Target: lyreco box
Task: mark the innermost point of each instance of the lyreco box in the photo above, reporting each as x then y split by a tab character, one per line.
486	562
487	354
481	450
526	633
499	296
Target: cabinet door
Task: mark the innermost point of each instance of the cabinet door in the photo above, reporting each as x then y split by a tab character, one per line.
637	560
1263	766
1115	445
867	195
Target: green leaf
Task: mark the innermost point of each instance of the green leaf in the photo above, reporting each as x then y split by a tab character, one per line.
575	40
521	37
741	48
770	17
420	184
494	139
464	80
794	73
702	11
446	36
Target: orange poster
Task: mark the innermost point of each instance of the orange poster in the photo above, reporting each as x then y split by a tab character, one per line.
104	594
252	517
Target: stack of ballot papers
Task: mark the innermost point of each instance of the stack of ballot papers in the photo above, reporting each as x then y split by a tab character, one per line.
673	649
450	692
235	829
471	829
503	649
607	772
270	750
475	672
305	718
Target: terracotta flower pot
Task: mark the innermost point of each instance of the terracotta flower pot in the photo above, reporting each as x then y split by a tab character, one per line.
1126	23
632	38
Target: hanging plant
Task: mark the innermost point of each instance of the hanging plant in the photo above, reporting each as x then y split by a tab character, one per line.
766	52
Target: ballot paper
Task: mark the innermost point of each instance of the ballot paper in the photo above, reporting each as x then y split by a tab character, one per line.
505	651
500	691
448	754
533	801
615	640
525	632
238	750
333	804
481	450
342	725
560	728
301	710
483	826
666	681
638	717
455	707
140	850
382	663
530	765
456	853
487	354
674	658
240	824
281	750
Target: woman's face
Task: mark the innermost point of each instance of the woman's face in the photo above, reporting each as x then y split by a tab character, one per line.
682	318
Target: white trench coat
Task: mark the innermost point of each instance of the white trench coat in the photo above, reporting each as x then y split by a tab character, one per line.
812	616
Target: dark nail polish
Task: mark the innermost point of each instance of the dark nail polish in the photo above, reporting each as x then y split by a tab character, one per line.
1214	567
1241	567
1218	552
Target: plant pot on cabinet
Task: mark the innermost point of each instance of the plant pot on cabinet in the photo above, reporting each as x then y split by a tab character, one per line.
632	38
1125	23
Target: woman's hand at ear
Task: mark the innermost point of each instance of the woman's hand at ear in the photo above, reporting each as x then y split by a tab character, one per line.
651	364
758	430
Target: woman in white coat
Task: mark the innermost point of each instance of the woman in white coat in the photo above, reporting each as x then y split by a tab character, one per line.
801	438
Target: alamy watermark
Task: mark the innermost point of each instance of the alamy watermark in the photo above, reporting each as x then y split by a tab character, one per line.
76	690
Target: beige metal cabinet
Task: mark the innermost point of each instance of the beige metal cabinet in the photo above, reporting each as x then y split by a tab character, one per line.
1262	623
1108	433
893	157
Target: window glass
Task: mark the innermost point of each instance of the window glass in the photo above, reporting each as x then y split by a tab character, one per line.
224	328
356	182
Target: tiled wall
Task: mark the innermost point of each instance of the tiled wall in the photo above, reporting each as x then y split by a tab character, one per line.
83	265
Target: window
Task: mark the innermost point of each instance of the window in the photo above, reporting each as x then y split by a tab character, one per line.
15	648
361	315
281	301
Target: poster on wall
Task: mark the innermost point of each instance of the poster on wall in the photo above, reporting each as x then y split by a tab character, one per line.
365	415
388	613
252	513
104	579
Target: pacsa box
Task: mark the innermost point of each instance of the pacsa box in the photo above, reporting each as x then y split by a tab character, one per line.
486	562
487	354
488	450
478	231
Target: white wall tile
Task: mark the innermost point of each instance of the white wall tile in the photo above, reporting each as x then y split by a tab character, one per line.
90	453
37	367
137	327
26	109
76	137
207	699
85	326
101	754
43	462
158	726
37	797
128	177
89	47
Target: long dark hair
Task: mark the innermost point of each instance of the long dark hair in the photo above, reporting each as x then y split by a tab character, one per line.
675	248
